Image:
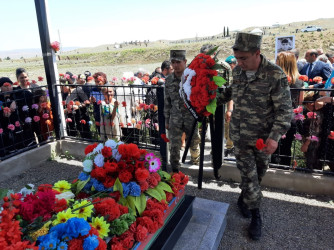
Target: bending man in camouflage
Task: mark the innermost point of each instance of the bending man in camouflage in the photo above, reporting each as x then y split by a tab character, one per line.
178	118
262	109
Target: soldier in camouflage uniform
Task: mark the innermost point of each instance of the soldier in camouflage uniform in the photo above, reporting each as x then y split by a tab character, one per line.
262	109
178	118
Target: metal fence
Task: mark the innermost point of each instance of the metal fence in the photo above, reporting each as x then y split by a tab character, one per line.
91	114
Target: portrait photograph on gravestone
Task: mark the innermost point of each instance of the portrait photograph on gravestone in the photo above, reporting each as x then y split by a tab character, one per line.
284	43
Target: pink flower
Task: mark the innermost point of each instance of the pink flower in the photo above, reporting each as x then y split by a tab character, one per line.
67	76
298	110
36	118
147	121
75	76
156	126
298	137
11	127
114	79
68	120
46	116
311	115
17	124
299	117
1	131
142	105
140	122
313	138
99	102
284	136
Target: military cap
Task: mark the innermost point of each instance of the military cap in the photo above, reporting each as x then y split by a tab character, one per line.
178	55
247	41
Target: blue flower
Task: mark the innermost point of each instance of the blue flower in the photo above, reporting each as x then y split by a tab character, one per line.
62	246
83	176
117	156
76	227
126	189
88	165
134	189
98	148
90	122
98	185
91	242
99	160
89	185
111	143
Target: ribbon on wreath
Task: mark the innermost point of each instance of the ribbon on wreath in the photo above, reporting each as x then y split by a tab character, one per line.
188	105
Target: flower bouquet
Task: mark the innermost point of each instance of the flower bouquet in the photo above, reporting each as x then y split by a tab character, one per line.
199	84
119	198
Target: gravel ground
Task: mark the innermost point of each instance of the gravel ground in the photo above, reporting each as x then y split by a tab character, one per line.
290	220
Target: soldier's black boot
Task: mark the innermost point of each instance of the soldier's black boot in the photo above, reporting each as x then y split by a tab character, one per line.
254	229
243	207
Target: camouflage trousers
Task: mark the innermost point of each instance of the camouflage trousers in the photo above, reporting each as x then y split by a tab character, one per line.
175	134
253	165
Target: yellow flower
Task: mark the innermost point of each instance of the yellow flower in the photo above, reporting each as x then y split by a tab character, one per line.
101	226
63	216
83	209
62	186
40	232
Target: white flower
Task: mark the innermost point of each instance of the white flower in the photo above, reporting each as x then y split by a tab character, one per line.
98	148
87	165
99	160
66	195
25	191
111	143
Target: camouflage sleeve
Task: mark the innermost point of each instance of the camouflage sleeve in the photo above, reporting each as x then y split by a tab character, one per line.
282	107
167	106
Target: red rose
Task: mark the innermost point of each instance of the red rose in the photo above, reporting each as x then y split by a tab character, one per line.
83	122
124	104
260	144
143	186
106	152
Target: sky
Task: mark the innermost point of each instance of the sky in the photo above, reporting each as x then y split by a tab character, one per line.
90	23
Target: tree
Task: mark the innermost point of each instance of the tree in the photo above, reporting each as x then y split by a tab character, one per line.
224	31
7	58
227	32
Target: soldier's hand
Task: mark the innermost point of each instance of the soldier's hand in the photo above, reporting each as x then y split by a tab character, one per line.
271	146
228	116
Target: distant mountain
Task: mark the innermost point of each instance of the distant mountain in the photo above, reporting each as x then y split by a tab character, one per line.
27	53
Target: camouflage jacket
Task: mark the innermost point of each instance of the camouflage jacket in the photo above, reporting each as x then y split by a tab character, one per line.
174	104
262	104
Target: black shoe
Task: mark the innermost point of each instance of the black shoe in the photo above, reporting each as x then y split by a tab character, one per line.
254	229
243	208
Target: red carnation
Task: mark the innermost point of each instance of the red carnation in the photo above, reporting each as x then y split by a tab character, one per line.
90	148
106	152
83	122
164	137
141	233
260	144
125	176
142	174
124	104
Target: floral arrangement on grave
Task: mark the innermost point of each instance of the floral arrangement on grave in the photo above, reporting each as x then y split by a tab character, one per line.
55	46
119	198
200	82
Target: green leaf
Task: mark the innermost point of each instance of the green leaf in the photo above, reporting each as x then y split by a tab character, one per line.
131	203
118	187
140	203
161	192
154	193
81	185
220	81
28	186
123	201
164	175
212	106
164	186
3	193
212	51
